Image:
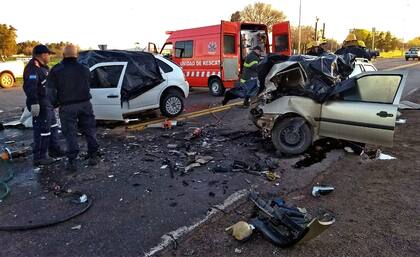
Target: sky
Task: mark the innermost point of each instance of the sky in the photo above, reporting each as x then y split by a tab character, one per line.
120	24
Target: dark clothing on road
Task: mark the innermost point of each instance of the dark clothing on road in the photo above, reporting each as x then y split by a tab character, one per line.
74	116
68	85
358	51
45	127
69	82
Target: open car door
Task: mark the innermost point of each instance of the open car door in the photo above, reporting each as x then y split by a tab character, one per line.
367	111
230	51
106	83
281	41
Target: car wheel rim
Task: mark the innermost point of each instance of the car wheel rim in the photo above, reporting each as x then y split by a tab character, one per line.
173	105
290	137
215	87
6	80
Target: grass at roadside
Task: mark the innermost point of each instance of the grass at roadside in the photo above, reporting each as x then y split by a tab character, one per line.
392	54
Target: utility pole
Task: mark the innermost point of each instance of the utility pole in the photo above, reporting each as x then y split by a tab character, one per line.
300	28
373	38
316	29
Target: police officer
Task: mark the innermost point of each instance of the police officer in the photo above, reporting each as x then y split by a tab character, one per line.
45	127
69	86
250	73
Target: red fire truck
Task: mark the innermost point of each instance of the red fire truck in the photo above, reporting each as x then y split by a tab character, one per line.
213	56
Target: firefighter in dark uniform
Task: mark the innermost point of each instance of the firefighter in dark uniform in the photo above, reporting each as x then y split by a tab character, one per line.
351	45
45	127
250	72
316	48
69	86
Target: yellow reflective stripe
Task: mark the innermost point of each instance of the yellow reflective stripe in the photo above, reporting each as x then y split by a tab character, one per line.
243	80
248	65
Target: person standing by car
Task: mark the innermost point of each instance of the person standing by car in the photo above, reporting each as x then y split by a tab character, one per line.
69	84
248	84
249	77
45	127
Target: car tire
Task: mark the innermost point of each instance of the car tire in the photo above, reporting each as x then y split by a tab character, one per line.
406	59
172	104
6	80
292	135
216	87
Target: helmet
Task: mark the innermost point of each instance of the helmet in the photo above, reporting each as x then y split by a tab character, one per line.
312	44
361	43
323	41
350	37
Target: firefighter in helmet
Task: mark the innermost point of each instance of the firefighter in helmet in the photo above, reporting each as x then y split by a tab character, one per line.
316	48
351	45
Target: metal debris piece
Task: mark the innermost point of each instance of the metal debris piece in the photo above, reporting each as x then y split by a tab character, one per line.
321	190
83	198
192	166
78	227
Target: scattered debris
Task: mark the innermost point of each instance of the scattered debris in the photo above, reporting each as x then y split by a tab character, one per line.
241	230
203	159
164	167
284	225
376	155
110	176
83	198
401	121
321	190
237	250
172	146
8	154
348	149
271	175
78	227
167	124
192	166
383	156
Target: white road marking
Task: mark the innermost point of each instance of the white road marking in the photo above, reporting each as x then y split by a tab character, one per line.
168	237
403	66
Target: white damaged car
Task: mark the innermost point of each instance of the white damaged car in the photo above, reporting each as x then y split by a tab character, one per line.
126	83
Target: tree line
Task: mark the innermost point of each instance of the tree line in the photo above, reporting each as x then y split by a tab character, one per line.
265	14
9	46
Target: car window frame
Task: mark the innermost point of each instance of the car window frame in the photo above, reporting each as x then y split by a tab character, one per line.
374	102
105	64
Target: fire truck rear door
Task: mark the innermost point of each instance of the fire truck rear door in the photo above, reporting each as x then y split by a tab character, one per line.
281	42
229	52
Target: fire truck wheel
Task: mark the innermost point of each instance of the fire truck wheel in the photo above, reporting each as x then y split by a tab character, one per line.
216	87
172	104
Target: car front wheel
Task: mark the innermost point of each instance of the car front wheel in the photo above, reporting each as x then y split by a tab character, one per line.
292	135
6	80
172	104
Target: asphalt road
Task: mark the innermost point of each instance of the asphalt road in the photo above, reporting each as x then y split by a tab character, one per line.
136	202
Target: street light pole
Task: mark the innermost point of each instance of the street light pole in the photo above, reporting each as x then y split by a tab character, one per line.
300	28
373	38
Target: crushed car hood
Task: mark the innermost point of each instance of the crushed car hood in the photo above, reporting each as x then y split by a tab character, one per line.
309	76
